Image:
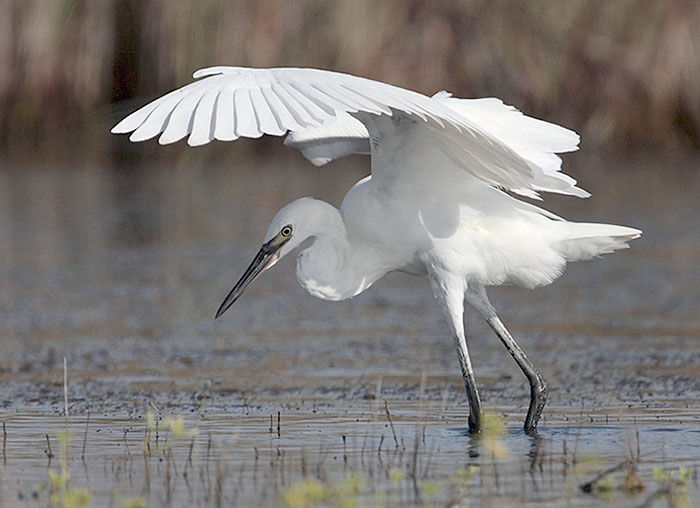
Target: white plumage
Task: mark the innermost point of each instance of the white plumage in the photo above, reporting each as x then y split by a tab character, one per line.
436	201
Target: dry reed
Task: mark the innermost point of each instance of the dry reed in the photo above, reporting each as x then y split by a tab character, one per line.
622	73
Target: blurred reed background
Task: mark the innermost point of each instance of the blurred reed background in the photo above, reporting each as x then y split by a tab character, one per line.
624	74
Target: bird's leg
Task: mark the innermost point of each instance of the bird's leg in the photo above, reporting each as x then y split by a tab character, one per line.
538	386
475	419
449	290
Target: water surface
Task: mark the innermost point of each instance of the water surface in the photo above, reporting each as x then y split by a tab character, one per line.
119	267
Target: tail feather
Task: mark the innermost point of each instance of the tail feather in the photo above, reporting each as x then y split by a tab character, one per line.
587	240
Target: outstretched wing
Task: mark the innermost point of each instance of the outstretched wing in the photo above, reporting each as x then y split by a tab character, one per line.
536	141
233	102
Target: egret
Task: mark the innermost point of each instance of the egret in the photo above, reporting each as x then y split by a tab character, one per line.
440	202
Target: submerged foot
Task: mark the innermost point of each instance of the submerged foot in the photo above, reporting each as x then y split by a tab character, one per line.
475	422
538	399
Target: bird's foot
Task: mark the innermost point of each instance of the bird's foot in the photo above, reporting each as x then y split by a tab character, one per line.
475	422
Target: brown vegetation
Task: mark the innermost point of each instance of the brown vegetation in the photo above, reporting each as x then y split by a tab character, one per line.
622	73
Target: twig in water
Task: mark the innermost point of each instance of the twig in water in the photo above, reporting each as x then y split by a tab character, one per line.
279	433
126	442
378	392
208	450
65	385
345	452
649	501
4	444
280	453
391	424
189	455
414	472
588	486
87	422
154	407
48	444
147	440
421	389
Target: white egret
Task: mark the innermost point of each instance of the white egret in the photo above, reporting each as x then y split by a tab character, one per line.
435	204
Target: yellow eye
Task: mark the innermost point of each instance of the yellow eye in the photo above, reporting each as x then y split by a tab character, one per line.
286	231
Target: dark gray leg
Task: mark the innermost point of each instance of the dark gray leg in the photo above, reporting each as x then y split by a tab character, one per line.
538	386
476	296
475	420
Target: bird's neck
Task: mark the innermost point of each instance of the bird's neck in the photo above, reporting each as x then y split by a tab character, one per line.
331	267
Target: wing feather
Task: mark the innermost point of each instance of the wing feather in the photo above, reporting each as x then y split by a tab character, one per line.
157	118
263	111
180	121
203	120
246	120
285	116
326	102
138	117
398	103
297	109
361	102
225	128
316	109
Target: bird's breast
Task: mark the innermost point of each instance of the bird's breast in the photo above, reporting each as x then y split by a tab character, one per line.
318	288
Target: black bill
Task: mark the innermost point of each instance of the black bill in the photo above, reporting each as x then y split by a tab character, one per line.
265	258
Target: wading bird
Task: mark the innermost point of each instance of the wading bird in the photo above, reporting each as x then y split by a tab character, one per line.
436	203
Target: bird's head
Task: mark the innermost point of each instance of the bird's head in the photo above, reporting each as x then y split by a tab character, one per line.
289	228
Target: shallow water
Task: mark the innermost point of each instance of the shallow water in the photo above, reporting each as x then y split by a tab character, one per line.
119	268
243	456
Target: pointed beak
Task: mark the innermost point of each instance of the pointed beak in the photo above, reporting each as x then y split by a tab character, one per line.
267	256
